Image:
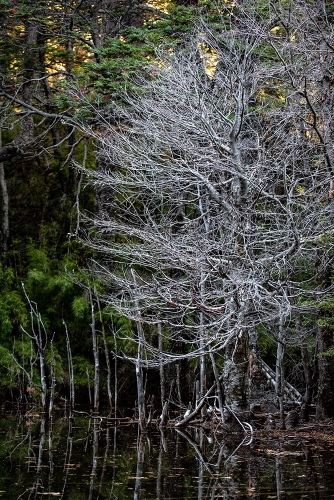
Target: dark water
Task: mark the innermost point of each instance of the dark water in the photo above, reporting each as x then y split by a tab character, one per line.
90	460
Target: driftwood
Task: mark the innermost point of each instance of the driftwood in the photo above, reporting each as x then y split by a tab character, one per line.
163	415
290	392
190	415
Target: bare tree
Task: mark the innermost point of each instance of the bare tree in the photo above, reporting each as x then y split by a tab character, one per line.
207	198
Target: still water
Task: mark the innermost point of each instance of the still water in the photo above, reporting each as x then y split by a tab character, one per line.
89	459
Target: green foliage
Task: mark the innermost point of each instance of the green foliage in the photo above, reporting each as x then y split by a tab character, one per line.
9	371
328	353
79	307
13	310
327	304
123	325
125	332
50	287
130	55
81	367
19	366
267	344
326	313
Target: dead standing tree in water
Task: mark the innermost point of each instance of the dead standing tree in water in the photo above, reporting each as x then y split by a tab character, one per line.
39	337
210	204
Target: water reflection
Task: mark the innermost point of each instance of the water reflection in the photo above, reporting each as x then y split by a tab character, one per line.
87	459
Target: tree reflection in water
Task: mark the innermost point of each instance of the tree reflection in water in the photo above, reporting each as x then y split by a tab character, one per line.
96	432
87	459
68	456
140	465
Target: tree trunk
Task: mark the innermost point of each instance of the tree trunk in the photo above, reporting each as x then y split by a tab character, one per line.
52	379
115	372
30	64
164	403
140	386
5	204
139	370
202	360
235	374
70	370
106	352
218	386
120	14
96	357
279	379
324	336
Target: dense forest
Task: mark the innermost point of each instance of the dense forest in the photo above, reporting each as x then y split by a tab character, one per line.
167	190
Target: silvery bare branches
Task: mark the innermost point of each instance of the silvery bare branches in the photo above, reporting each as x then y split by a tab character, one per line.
211	191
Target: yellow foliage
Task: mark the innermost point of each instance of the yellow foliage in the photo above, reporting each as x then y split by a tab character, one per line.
159	5
275	30
210	58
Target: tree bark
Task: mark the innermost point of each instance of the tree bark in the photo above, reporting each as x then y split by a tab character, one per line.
235	374
279	379
139	370
70	370
52	379
218	386
96	357
106	353
162	377
5	209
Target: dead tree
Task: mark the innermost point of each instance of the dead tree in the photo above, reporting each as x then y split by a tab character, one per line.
39	337
211	203
95	342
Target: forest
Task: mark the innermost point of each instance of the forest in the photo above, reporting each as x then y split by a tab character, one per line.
167	194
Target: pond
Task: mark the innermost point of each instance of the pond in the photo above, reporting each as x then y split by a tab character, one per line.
90	459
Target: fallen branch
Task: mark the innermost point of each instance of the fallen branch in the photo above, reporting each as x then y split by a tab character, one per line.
289	391
246	427
193	414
